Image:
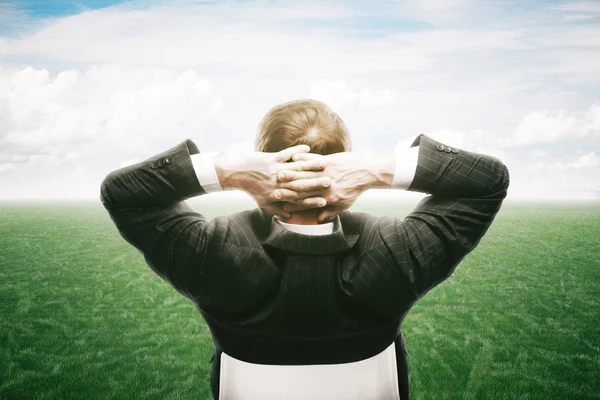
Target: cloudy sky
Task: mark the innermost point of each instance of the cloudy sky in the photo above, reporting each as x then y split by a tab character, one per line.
89	86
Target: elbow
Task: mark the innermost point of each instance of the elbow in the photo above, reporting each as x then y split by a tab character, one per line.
106	191
503	178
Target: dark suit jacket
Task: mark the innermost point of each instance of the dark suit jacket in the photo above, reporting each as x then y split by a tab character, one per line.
273	296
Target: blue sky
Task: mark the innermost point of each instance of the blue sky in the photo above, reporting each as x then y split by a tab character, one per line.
56	8
88	86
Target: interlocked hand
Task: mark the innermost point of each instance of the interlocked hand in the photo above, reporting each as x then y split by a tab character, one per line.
350	177
256	174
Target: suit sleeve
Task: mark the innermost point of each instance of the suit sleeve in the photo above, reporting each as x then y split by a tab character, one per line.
466	190
146	203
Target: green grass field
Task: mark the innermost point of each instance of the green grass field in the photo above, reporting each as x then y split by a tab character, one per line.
83	317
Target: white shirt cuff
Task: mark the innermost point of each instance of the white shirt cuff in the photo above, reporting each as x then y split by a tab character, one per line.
406	167
204	166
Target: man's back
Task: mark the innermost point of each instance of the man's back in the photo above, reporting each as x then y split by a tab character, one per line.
274	296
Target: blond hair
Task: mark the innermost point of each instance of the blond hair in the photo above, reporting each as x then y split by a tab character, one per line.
307	121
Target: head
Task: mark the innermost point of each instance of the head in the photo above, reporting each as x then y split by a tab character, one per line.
309	122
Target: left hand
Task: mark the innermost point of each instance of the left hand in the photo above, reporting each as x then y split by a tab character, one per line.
256	174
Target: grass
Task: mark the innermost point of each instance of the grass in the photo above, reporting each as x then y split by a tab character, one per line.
82	316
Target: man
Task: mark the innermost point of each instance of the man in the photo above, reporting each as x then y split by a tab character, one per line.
304	299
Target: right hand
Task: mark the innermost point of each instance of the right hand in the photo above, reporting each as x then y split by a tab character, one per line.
350	177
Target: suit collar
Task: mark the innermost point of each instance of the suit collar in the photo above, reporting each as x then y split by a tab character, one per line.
279	237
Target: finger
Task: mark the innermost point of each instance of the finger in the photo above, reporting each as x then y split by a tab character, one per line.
324	216
306	156
287	154
309	165
289	195
289	175
307	184
304	204
277	210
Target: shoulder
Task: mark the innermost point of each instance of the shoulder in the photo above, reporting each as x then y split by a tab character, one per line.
369	227
244	228
359	223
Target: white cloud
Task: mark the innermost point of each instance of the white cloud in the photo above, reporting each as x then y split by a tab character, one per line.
588	160
580	17
592	118
434	11
585	161
335	94
379	98
545	127
338	95
4	168
19	158
540	126
588	7
537	153
133	107
536	166
580	11
86	120
584	35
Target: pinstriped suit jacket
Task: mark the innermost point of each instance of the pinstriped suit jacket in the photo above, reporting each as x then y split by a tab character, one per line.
273	296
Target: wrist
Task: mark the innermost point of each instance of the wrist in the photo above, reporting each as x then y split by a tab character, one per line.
225	167
381	172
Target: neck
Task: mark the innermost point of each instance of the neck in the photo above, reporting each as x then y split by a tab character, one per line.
307	217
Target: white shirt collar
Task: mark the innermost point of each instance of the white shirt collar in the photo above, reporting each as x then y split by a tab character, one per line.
322	229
